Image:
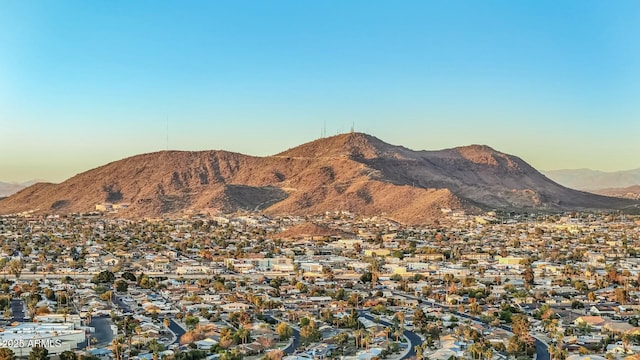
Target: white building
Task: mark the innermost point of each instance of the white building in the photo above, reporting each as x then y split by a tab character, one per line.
56	338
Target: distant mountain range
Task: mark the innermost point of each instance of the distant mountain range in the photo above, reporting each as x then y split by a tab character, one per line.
353	172
630	192
11	188
595	181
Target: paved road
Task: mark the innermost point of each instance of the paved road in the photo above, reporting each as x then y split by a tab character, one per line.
89	276
542	351
177	329
296	337
103	333
294	344
17	310
414	339
121	304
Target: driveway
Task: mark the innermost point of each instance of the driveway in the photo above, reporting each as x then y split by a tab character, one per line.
17	310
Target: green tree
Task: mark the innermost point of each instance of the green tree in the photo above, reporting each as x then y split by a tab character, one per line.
520	343
326	315
622	295
104	277
7	354
556	352
127	275
106	296
400	316
528	276
39	353
304	321
16	266
121	286
68	355
366	277
243	335
191	321
341	339
284	331
577	304
155	347
475	308
310	333
419	319
231	355
520	326
302	287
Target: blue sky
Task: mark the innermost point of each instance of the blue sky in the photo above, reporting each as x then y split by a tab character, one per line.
83	83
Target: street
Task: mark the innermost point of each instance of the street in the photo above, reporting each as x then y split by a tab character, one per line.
296	337
103	333
542	351
177	329
17	310
414	339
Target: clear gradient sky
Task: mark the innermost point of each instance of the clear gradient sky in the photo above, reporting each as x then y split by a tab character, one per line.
83	83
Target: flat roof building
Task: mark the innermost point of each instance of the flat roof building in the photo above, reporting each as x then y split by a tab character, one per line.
56	338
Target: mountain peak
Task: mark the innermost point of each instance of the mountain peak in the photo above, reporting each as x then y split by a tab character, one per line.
484	154
478	148
352	145
353	172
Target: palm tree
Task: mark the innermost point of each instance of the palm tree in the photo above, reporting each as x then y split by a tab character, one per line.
89	315
487	352
475	308
138	332
117	348
65	312
475	349
16	267
397	334
243	334
358	335
626	340
32	307
553	352
400	316
367	340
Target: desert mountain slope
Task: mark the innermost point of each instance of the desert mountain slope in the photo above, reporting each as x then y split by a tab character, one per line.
354	172
311	230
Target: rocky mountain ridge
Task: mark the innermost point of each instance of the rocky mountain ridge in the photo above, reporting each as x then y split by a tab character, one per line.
353	172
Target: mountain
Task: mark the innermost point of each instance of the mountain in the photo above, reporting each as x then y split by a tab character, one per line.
353	172
7	189
630	192
592	180
311	230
